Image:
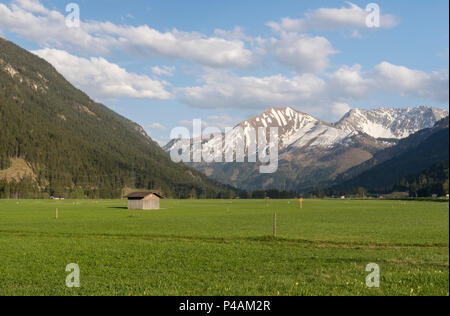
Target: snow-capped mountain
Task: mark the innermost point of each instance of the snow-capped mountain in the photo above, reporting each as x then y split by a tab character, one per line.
297	128
390	122
312	151
294	129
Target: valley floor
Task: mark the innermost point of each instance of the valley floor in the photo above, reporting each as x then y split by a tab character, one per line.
224	247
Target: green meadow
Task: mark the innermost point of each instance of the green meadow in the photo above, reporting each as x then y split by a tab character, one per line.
224	247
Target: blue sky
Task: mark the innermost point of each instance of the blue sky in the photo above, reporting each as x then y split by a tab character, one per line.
163	63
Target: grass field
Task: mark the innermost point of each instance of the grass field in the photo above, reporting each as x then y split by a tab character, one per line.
224	247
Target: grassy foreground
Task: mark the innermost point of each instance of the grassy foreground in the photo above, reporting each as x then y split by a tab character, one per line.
224	247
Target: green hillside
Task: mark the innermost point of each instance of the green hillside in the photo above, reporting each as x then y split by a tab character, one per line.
67	144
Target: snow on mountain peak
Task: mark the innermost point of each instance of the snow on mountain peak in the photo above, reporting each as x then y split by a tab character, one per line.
300	130
297	128
394	123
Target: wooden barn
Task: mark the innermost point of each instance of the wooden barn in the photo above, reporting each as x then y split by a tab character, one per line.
144	200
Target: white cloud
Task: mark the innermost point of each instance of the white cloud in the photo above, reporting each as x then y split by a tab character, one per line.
157	125
326	96
32	6
398	78
348	83
163	70
339	109
304	53
223	89
194	47
287	25
437	86
410	82
31	19
236	34
102	79
256	44
226	90
351	17
222	121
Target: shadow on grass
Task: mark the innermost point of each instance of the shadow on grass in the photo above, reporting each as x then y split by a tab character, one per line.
119	207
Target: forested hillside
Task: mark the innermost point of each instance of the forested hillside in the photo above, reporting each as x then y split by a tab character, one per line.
390	152
69	145
433	180
419	165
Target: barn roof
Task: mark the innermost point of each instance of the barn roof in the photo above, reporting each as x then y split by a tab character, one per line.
142	194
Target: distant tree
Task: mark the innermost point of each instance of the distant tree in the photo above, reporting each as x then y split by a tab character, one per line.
362	192
445	187
321	194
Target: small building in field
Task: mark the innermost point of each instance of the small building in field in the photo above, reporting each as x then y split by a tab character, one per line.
144	200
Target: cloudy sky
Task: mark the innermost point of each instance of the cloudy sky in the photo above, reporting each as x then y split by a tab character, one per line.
163	63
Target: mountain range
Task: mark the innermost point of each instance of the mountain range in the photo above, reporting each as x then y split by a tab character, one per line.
314	153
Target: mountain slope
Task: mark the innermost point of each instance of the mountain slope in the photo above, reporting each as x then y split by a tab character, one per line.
389	122
73	145
411	158
312	152
433	180
391	152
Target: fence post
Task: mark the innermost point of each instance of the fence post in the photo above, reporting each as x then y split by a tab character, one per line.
275	225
